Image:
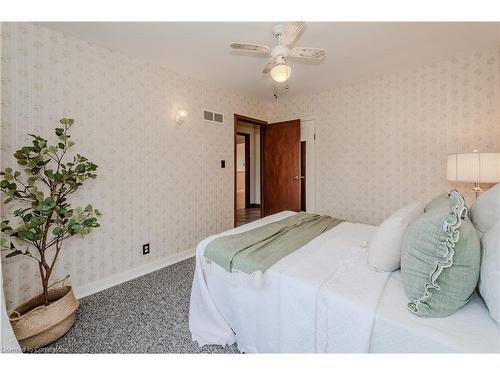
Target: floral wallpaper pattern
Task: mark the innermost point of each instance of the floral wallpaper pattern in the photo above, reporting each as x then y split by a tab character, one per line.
380	143
158	182
383	143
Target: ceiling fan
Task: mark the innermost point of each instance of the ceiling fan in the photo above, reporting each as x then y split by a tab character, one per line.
277	64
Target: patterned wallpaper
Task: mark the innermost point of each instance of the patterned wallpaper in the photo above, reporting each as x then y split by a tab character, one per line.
154	183
380	143
383	142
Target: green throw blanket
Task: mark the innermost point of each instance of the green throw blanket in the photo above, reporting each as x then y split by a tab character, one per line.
259	248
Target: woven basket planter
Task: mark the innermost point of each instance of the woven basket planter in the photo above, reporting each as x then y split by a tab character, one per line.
36	325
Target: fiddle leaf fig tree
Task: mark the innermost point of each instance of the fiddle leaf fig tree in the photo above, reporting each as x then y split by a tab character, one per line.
41	193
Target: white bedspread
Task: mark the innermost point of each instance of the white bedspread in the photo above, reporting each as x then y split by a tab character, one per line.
325	298
300	305
396	330
347	304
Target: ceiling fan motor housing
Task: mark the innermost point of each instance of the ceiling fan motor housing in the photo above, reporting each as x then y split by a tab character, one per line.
280	51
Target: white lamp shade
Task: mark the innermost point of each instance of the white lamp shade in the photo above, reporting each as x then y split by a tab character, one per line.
474	167
281	72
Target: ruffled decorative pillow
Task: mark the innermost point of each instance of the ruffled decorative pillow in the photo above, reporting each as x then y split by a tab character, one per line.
440	259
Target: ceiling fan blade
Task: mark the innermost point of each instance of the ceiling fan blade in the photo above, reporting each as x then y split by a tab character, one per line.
251	47
291	32
270	63
308	52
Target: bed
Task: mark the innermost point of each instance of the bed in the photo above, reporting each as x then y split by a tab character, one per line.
325	298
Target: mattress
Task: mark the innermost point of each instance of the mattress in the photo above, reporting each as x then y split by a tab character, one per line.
317	299
396	330
278	315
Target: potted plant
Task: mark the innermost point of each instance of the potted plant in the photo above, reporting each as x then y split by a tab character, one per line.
44	220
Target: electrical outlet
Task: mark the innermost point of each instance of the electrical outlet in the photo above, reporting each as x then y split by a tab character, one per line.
145	249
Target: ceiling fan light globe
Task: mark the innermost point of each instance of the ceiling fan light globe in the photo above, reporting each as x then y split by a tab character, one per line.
281	72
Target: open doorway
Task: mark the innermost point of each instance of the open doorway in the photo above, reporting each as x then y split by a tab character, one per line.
274	167
247	171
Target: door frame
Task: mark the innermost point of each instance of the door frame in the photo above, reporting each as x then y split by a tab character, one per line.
253	121
311	165
303	176
247	167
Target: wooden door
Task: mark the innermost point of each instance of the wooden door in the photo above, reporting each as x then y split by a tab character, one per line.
281	167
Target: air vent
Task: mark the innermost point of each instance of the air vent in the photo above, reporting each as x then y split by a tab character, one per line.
214	117
208	116
219	117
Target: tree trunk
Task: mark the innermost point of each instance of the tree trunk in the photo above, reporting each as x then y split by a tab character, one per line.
45	293
45	284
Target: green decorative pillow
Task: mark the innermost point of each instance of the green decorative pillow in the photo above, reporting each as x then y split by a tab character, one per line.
437	201
441	199
440	259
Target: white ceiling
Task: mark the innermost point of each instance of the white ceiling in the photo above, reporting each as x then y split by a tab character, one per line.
356	50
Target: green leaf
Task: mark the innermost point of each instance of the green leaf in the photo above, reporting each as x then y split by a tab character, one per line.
49	173
26	235
61	145
40	196
57	231
8	170
36	220
4	184
59	131
75	228
31	180
89	222
47	205
13	254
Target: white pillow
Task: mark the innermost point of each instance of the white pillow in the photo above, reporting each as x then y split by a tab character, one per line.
384	249
489	279
486	211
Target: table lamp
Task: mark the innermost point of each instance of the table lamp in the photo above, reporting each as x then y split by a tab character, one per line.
476	167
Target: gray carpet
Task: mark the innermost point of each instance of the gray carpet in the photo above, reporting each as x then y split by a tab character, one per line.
145	315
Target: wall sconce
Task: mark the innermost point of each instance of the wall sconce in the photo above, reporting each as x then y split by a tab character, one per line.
180	117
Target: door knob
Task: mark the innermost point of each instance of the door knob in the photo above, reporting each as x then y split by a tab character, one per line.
295	177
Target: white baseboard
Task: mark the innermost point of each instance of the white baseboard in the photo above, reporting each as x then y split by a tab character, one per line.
96	286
